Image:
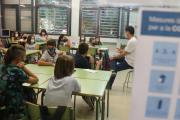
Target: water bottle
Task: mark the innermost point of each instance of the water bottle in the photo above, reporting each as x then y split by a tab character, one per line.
99	45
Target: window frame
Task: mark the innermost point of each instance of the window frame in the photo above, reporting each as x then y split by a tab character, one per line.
18	15
69	11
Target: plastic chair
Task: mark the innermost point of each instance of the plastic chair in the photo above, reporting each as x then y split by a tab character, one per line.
64	48
127	79
122	46
33	112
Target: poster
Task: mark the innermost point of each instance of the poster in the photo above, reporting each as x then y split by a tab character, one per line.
156	80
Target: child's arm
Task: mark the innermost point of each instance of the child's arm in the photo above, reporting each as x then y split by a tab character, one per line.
35	47
26	46
12	39
68	43
32	77
4	51
91	60
47	38
41	62
62	53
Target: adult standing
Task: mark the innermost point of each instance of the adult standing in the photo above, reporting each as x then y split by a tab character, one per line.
126	58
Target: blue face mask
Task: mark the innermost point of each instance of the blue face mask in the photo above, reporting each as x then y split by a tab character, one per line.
82	38
32	41
65	39
51	50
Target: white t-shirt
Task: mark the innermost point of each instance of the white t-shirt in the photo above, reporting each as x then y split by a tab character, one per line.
58	92
43	37
31	47
131	49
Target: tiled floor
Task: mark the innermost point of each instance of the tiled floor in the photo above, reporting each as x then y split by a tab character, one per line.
119	102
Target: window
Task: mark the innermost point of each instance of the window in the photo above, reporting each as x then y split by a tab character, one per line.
133	16
26	19
17	2
89	21
9	19
54	2
124	22
54	16
95	20
108	22
54	20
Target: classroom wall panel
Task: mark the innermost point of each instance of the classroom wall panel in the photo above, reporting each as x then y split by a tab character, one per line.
17	1
26	22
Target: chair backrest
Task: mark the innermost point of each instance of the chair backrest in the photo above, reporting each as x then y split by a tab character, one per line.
33	112
92	51
101	43
122	46
64	48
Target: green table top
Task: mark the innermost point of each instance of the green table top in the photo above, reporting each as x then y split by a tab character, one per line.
101	48
80	73
99	75
91	88
42	79
41	43
46	70
28	52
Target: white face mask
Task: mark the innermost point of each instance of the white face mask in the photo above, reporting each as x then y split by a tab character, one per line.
43	33
16	35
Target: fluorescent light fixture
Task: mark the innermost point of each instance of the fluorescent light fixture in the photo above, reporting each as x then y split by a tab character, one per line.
22	5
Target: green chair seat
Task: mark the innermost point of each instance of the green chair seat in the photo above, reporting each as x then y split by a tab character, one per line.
64	48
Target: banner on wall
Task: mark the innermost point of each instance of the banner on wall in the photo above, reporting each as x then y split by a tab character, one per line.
156	82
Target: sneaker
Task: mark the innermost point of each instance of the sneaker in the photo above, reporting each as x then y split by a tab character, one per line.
85	100
113	74
90	103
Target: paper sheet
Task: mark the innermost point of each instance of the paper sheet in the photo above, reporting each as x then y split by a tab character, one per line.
88	70
26	84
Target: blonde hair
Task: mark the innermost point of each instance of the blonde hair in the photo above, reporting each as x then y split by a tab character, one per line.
64	66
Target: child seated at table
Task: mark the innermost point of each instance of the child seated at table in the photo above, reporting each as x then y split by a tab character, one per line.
82	60
12	74
31	45
50	56
64	41
82	39
43	36
62	84
15	36
97	41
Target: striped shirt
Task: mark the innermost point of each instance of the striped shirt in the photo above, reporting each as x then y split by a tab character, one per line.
48	58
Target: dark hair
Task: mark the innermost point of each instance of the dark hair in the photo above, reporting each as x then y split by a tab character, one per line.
91	39
51	42
82	40
22	35
130	29
29	39
83	48
14	52
64	66
98	41
13	34
60	37
43	30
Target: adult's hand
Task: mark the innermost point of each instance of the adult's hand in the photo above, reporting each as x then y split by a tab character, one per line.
119	50
112	58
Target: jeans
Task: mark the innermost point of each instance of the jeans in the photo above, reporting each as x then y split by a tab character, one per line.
122	66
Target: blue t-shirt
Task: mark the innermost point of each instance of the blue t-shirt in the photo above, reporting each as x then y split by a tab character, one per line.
81	62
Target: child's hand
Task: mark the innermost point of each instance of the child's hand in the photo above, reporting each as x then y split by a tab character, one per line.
119	50
53	64
20	65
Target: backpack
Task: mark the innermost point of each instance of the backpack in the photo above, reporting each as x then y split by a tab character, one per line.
57	116
107	66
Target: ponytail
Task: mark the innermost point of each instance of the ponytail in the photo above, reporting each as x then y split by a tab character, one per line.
14	52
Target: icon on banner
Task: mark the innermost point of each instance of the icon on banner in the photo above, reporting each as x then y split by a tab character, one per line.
162	78
160	104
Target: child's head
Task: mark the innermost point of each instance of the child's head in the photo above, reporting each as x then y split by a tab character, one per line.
62	38
51	46
97	38
23	36
92	41
43	32
83	48
64	66
82	39
15	53
31	39
15	34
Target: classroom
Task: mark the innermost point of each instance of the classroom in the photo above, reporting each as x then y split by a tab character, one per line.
89	60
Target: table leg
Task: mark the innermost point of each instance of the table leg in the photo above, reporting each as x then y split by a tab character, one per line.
96	107
74	105
103	105
42	96
108	100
